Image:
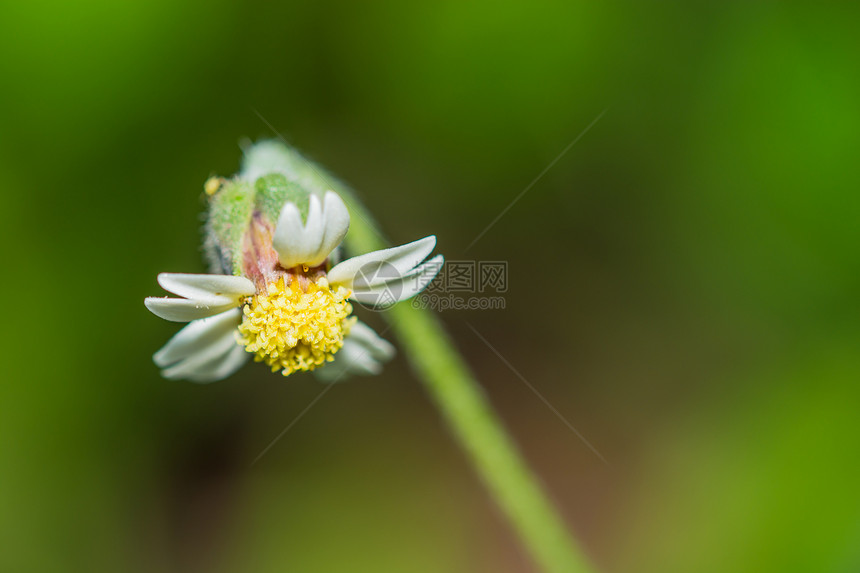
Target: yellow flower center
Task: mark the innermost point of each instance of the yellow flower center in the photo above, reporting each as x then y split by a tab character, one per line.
293	328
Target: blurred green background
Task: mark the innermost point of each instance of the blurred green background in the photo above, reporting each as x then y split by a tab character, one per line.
683	282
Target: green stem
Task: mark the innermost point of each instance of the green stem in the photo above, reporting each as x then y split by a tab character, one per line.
473	421
449	381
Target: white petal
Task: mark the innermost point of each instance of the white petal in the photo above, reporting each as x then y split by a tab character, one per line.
336	218
352	358
229	363
381	292
204	286
379	348
314	230
310	244
205	350
184	310
198	335
357	359
204	360
363	353
295	242
288	232
392	263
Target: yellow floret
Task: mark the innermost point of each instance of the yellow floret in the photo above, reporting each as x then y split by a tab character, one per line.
292	329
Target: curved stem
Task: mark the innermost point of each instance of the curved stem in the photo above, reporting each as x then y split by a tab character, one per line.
449	381
473	421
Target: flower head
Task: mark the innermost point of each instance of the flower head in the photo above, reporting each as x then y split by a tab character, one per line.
276	294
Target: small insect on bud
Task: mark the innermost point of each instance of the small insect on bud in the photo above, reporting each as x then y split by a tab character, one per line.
212	185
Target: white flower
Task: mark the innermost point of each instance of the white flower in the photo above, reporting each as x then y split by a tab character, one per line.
295	316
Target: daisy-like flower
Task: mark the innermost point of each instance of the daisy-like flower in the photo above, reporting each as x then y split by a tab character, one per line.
285	303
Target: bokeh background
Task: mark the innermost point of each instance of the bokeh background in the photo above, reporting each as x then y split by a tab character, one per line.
684	281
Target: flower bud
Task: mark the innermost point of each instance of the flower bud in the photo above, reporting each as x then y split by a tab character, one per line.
241	219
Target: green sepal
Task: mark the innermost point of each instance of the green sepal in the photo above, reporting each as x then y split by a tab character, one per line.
274	191
230	211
